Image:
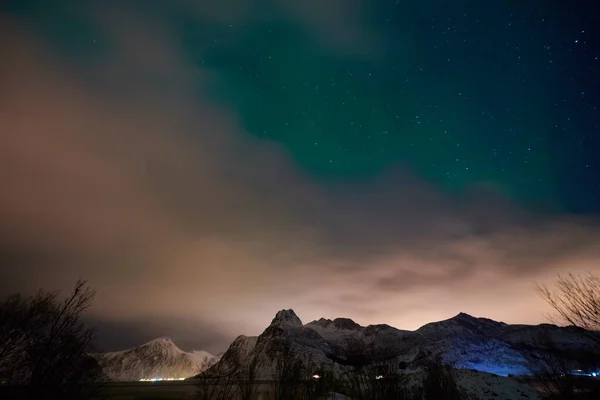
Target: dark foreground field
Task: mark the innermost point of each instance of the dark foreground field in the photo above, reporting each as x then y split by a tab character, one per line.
135	391
149	391
186	390
116	391
165	391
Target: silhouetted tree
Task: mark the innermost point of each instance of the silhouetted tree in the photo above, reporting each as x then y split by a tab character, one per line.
206	384
325	383
439	382
552	371
218	379
247	375
576	301
44	345
372	373
316	383
288	371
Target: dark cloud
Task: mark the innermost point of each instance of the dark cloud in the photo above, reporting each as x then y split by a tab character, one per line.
188	333
124	174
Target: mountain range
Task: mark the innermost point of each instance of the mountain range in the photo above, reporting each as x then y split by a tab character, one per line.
464	341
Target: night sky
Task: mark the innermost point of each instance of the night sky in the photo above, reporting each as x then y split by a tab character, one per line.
206	163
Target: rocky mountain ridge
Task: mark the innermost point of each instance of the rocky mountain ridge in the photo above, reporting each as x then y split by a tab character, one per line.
463	341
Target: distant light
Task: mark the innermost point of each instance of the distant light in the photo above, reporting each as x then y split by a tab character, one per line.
379	377
315	376
159	379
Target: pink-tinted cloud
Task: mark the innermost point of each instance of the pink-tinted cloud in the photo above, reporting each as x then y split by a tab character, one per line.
123	174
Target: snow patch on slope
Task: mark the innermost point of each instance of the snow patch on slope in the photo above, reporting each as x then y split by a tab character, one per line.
484	386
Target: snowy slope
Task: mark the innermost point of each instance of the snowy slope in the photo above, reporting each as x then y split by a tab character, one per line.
495	347
483	386
159	358
203	357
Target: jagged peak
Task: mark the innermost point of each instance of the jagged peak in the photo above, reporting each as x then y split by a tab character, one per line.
345	323
466	317
286	317
463	315
340	323
321	322
379	327
163	340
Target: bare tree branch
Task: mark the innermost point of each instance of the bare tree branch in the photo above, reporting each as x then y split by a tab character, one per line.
44	344
576	301
439	382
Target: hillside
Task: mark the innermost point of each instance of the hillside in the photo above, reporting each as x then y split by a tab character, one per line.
159	358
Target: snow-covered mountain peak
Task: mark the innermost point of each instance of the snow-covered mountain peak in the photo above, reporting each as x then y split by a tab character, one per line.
286	318
162	345
338	323
161	341
158	358
321	322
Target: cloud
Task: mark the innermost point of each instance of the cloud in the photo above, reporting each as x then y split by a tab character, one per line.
126	173
189	334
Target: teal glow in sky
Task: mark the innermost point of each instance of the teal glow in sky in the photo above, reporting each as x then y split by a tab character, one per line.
470	94
482	94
